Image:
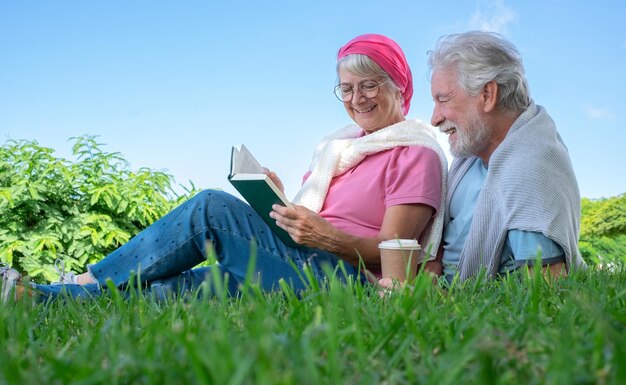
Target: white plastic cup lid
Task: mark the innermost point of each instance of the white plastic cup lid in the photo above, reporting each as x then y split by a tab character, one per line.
400	244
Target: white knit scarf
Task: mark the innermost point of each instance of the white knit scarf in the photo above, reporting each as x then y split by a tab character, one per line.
344	149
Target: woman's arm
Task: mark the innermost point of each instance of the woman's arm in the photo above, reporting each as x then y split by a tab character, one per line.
309	229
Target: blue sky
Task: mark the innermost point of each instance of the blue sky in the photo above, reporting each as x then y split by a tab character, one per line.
173	85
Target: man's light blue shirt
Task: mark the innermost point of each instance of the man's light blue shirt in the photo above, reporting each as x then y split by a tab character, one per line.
521	247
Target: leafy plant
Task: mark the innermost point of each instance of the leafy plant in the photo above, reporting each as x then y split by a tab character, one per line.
604	217
52	208
603	230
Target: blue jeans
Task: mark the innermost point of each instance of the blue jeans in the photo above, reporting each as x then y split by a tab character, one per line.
162	256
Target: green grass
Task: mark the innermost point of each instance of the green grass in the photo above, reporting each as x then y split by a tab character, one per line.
517	330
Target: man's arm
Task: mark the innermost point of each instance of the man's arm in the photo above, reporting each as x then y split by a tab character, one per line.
556	270
525	248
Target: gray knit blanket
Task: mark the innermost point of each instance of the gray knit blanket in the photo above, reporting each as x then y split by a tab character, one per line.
530	185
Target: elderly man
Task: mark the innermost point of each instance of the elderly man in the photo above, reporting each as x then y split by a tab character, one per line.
512	194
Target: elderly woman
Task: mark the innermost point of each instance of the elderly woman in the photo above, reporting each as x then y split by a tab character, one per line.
378	179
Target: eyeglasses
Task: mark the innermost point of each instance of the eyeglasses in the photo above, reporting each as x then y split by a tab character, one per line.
367	88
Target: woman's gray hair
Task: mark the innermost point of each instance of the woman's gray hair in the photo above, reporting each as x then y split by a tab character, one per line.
362	65
480	57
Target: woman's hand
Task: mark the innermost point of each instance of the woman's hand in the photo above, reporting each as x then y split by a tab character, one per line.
274	178
309	229
305	227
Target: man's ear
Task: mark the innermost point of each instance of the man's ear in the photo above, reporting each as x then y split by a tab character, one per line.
490	96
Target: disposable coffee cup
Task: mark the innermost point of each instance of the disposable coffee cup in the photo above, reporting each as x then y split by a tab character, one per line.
398	258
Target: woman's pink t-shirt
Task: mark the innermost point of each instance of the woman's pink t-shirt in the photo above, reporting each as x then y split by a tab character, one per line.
357	199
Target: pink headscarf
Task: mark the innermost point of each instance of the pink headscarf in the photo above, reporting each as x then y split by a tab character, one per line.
389	56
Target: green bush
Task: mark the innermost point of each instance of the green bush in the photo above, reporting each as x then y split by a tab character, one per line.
52	208
603	230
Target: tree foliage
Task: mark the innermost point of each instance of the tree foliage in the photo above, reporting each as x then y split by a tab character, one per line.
52	208
603	229
604	217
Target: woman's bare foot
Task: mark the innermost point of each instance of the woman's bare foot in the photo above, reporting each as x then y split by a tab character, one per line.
85	279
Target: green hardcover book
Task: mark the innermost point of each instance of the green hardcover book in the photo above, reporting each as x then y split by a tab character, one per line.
247	176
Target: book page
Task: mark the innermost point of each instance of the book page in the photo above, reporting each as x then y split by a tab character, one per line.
242	161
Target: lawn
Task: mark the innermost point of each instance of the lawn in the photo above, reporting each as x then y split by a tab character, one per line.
517	330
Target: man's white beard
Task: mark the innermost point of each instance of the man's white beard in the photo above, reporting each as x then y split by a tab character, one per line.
471	137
